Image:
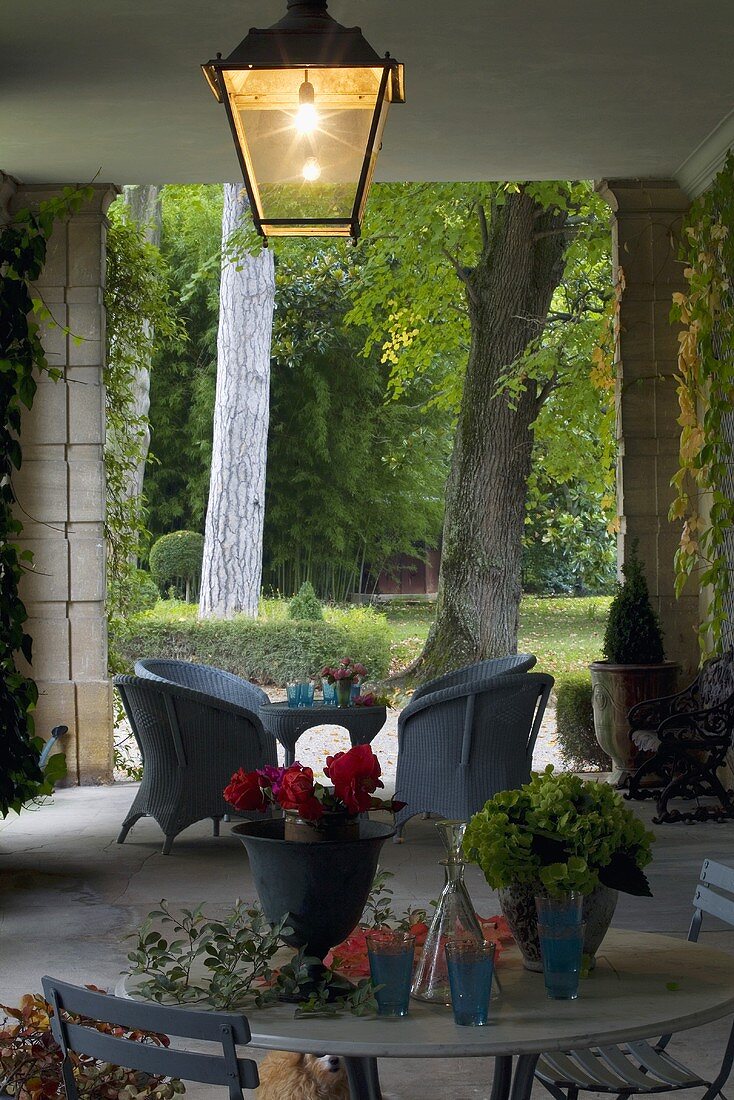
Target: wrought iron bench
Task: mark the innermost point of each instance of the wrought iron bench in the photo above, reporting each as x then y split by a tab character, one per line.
689	735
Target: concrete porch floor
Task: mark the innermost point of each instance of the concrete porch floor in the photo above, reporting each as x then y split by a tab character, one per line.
69	895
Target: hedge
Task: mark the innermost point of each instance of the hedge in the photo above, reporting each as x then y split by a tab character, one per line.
270	651
575	735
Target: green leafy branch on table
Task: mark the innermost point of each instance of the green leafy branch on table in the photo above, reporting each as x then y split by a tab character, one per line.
237	953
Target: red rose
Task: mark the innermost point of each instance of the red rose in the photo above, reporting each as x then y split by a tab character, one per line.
297	792
355	775
245	791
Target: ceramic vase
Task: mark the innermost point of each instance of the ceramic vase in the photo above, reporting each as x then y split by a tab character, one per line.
518	906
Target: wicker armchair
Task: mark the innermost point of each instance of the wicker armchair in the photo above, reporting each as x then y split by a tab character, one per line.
689	735
459	746
211	681
191	745
480	670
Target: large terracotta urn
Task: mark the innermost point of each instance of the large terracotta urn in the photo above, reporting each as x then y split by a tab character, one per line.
615	689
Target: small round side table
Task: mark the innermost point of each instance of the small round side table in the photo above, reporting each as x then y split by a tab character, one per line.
287	724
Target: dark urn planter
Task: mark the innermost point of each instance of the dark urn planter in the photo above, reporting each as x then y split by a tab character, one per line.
616	688
518	907
323	886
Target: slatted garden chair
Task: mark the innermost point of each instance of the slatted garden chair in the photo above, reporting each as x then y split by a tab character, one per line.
81	1037
640	1067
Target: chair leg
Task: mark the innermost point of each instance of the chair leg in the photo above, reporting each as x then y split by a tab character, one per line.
168	844
127	826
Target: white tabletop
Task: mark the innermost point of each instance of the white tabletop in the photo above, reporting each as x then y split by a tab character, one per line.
626	997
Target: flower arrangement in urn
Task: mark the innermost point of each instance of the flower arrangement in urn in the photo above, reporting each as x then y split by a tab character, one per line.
312	810
344	675
557	835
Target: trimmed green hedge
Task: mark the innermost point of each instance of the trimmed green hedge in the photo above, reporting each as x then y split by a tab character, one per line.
270	651
575	735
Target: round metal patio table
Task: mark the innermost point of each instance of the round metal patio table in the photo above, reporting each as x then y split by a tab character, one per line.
287	724
626	997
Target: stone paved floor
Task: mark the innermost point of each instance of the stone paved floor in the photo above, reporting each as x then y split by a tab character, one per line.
69	896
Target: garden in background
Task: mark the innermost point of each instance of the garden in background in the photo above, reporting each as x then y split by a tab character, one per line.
565	633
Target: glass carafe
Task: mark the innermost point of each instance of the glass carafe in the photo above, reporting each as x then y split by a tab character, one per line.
454	917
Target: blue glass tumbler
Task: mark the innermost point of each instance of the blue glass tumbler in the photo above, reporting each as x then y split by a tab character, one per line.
305	694
561	948
329	693
470	965
391	956
293	694
559	912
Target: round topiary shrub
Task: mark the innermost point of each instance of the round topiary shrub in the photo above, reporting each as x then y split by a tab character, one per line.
175	559
577	743
306	604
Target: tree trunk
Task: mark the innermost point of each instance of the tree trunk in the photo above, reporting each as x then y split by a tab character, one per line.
508	293
144	203
232	568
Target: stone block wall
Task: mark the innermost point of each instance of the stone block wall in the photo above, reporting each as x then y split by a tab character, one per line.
61	492
648	215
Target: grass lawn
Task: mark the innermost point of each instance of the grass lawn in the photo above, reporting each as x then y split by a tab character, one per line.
564	632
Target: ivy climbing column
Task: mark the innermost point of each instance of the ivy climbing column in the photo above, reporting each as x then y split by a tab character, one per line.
648	216
61	492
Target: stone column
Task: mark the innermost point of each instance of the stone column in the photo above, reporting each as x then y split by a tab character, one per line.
646	227
61	492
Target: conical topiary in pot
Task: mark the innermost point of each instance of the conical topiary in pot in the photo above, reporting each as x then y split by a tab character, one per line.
634	668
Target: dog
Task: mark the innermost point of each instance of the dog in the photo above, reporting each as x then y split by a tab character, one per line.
287	1076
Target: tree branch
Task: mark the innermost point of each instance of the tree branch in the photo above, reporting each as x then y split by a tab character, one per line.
462	272
483	225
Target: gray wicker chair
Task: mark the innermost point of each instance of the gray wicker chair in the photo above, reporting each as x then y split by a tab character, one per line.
211	681
76	1011
480	670
191	744
459	746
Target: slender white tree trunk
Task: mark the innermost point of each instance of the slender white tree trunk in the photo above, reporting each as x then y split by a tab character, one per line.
232	568
144	203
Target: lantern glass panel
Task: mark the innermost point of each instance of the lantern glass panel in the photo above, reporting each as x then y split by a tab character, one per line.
306	164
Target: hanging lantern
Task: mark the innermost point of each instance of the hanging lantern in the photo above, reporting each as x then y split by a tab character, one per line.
307	100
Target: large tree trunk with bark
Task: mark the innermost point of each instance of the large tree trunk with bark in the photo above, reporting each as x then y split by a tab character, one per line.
232	568
144	203
508	295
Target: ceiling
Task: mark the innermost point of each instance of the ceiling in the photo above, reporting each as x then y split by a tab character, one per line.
496	89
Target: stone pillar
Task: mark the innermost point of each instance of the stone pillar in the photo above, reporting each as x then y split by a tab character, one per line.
61	493
646	227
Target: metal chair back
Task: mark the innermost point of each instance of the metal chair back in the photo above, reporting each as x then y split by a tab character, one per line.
76	1010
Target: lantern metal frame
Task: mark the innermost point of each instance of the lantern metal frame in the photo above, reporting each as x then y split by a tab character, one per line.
307	38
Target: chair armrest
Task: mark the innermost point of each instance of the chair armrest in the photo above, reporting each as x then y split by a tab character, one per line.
714	722
651	712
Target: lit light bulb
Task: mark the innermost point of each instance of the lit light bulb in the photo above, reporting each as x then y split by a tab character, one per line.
311	169
307	118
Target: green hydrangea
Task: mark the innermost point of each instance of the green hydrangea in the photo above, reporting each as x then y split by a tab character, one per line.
561	831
